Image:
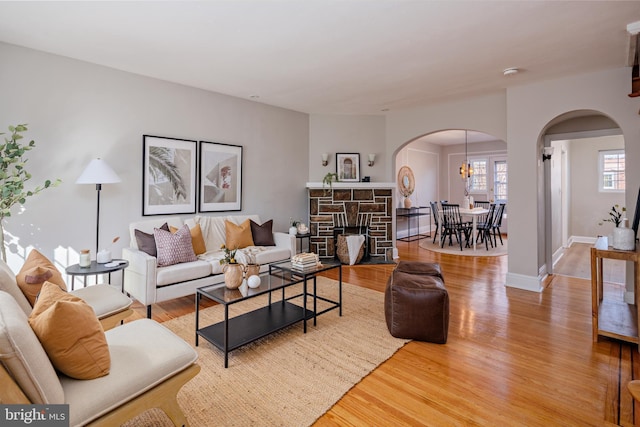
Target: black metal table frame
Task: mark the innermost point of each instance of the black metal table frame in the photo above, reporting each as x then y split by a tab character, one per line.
260	322
415	214
96	269
301	237
284	267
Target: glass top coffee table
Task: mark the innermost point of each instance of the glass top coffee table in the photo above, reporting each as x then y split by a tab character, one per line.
232	333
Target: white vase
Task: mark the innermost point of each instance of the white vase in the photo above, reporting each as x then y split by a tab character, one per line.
624	239
293	230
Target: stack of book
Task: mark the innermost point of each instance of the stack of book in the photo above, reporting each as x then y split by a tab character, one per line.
305	261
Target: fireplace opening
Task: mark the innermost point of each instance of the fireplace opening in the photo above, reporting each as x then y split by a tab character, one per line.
349	230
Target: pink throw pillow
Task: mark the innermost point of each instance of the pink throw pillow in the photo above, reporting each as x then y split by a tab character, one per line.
174	248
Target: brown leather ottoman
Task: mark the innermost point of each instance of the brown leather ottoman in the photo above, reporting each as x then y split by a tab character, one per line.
416	303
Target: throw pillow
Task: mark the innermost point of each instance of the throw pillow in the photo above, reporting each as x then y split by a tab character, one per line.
36	270
238	236
262	234
70	333
197	240
146	242
174	248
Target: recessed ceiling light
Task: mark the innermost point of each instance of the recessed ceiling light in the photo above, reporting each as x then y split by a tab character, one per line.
510	71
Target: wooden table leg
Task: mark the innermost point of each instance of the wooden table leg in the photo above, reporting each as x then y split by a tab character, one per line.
594	295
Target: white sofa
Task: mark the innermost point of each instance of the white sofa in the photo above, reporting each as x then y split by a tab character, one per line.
149	284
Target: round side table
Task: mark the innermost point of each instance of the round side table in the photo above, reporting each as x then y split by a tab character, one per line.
95	269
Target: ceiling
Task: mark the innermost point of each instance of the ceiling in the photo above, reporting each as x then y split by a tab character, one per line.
333	57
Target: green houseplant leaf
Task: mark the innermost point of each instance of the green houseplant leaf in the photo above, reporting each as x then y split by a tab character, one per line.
13	176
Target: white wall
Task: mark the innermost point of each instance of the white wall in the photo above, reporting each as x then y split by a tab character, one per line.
424	160
589	206
78	111
520	117
531	109
348	134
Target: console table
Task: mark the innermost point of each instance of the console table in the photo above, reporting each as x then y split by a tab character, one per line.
614	319
409	213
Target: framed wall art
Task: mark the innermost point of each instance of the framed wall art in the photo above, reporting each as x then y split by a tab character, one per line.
220	177
168	175
348	166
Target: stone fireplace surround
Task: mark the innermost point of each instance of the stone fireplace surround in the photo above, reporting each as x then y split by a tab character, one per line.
352	205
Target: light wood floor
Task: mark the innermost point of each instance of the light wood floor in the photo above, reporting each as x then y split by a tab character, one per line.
513	358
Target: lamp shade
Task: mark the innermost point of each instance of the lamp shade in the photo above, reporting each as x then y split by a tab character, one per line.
98	172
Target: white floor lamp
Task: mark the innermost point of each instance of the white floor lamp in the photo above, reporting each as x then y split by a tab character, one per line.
98	172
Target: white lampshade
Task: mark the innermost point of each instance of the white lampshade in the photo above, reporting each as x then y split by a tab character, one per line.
98	172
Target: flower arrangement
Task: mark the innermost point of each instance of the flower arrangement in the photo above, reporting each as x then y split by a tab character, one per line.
229	255
293	222
615	215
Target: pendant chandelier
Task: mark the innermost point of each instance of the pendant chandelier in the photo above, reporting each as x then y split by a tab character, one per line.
465	169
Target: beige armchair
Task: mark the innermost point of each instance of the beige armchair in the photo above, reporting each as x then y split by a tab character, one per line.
110	305
149	365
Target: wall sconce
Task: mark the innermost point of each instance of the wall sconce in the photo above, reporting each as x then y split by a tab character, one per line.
546	153
372	159
325	159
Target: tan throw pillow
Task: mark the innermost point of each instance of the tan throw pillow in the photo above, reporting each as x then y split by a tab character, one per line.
70	333
36	270
238	236
197	241
174	248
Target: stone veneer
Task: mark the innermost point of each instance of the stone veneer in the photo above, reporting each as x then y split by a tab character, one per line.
372	207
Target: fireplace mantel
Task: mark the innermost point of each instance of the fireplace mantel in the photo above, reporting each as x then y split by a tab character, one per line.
319	185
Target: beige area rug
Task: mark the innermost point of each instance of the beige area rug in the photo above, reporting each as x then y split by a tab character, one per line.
454	249
289	378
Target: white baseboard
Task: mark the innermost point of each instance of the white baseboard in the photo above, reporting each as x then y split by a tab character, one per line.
582	239
527	283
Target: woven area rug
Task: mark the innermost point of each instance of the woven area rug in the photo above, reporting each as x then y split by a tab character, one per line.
454	249
289	378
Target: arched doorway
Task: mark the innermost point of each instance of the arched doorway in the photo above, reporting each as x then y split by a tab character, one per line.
576	199
435	159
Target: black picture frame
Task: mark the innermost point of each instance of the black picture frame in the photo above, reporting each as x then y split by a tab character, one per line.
220	177
348	167
168	175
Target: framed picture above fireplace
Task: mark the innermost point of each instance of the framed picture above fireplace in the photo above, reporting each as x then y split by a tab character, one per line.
348	167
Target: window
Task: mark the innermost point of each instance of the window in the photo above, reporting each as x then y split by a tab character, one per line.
500	181
611	166
478	181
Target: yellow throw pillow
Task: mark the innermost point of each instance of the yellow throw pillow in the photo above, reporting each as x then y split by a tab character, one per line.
36	270
70	333
238	236
196	239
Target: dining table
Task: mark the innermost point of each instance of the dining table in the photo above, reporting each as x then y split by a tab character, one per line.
474	213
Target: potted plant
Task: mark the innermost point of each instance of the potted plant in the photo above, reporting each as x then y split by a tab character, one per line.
329	179
13	176
623	238
293	226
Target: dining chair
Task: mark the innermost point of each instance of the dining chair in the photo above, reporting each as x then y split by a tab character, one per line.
481	204
485	226
452	225
435	213
497	223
